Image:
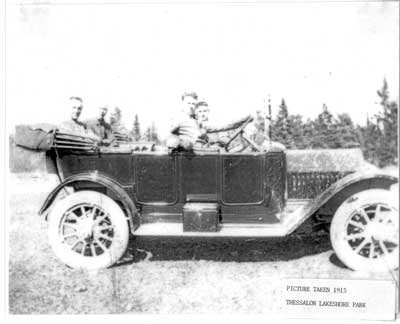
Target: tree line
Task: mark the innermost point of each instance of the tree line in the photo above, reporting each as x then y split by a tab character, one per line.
378	139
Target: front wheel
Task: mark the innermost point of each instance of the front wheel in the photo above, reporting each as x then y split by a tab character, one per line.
365	231
88	230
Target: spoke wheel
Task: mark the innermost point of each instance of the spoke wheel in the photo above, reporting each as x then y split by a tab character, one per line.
365	232
88	230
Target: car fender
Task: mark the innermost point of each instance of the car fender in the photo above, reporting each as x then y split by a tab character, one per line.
343	189
104	181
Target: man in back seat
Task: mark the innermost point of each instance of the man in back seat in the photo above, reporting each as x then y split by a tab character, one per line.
74	126
101	128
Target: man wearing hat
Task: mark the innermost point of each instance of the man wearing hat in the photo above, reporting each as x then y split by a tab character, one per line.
100	127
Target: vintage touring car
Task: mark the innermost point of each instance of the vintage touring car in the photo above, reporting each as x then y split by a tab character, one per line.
108	194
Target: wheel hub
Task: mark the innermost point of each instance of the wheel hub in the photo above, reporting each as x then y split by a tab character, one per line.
86	228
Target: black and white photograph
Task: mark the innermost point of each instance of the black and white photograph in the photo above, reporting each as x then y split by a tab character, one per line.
217	157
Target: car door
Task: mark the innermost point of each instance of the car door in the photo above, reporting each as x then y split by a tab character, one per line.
242	179
155	179
199	176
252	188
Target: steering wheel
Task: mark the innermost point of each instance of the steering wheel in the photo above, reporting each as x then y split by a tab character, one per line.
238	132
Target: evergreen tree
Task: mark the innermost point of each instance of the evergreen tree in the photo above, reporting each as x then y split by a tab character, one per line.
379	140
371	136
297	128
281	130
308	134
391	130
388	124
346	133
136	134
325	130
384	93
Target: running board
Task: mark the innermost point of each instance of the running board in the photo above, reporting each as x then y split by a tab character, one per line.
287	225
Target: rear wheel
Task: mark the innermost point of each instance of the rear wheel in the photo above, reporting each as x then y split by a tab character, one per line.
88	230
365	231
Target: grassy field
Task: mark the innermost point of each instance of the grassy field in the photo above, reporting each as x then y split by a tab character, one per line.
156	275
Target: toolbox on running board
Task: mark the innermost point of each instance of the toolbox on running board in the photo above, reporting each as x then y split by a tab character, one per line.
200	217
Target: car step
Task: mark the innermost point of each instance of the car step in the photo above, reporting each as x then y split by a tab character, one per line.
288	223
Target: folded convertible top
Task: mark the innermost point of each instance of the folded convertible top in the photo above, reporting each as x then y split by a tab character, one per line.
43	137
37	137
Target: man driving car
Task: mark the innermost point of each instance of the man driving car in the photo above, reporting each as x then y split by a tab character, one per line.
211	134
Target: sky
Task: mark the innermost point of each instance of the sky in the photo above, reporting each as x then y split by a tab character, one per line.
142	57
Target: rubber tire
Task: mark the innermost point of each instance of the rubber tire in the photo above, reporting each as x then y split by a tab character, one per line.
338	230
117	217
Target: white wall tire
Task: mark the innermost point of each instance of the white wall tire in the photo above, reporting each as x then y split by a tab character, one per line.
88	230
365	231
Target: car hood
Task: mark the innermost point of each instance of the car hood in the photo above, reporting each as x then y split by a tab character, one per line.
327	160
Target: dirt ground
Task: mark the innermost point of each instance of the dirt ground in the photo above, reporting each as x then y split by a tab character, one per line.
157	275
